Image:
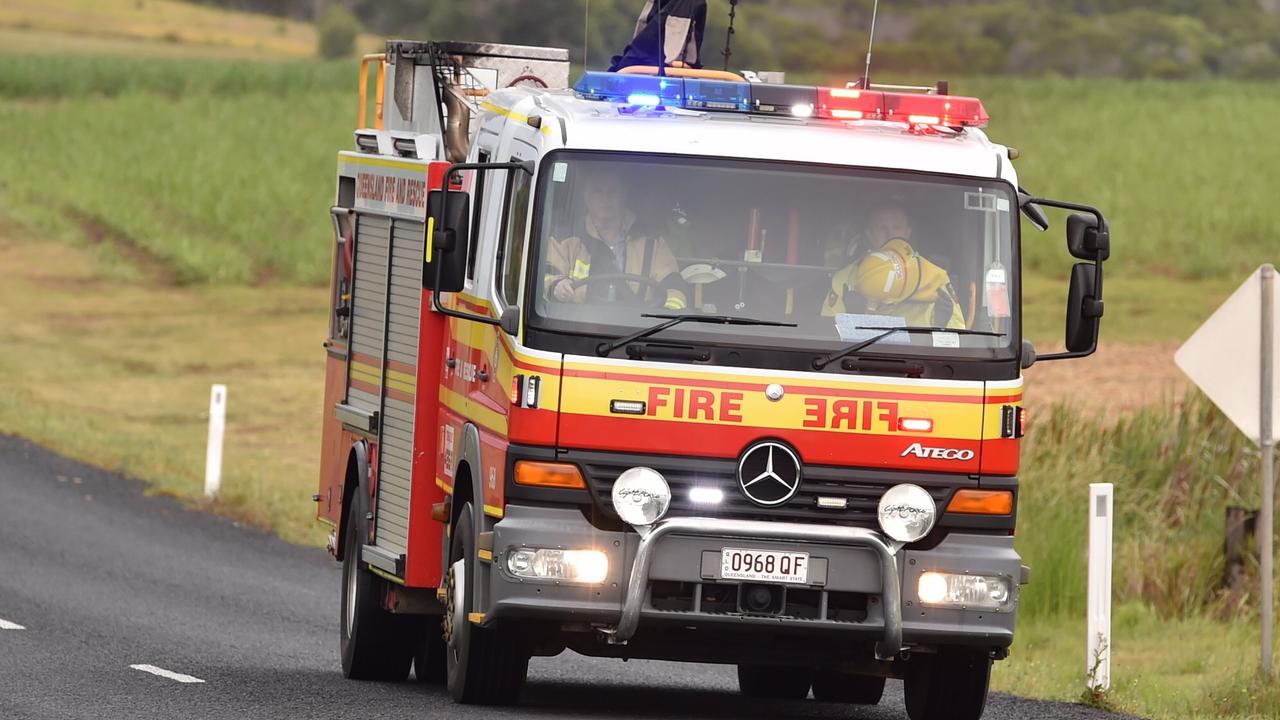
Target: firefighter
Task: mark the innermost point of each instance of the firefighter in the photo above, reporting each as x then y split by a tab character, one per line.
893	279
683	24
608	240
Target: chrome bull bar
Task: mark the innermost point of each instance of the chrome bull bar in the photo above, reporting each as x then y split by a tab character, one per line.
890	593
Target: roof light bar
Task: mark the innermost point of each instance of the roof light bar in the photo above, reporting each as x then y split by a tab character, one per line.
849	104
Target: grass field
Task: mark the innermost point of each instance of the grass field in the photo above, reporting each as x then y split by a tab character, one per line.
191	197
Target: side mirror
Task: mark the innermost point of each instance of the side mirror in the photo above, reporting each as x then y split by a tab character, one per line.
1087	241
510	320
1084	309
449	220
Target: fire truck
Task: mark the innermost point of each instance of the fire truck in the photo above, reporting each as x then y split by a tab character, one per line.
677	364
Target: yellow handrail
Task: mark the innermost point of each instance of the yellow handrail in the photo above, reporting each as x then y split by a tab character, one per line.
683	72
379	92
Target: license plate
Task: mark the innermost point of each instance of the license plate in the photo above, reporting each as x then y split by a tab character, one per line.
764	566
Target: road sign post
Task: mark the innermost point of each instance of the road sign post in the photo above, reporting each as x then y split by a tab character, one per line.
1097	663
1233	350
213	454
1267	441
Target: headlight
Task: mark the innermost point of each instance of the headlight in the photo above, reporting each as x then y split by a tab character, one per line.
641	496
971	592
584	566
907	513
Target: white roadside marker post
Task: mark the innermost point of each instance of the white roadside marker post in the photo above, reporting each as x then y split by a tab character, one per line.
217	426
1267	441
1097	667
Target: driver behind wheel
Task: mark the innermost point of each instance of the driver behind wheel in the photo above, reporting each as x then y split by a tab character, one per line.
606	243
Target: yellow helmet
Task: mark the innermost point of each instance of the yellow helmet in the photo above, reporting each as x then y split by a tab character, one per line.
890	274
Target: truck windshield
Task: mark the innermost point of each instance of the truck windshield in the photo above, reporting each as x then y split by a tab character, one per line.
838	252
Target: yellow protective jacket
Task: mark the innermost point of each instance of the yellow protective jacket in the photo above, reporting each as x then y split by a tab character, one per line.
918	310
577	257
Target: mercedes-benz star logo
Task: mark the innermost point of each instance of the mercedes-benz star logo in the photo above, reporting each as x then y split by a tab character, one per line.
769	473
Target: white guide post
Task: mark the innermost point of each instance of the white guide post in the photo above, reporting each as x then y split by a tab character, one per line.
1267	441
217	426
1097	666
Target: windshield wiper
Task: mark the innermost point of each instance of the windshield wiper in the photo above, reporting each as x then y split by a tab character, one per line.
825	360
603	349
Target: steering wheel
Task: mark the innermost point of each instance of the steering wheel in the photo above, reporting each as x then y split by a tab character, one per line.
659	295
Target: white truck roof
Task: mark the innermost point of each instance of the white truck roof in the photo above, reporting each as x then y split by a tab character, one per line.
600	125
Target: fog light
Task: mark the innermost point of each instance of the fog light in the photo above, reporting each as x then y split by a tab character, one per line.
906	512
641	496
971	592
581	566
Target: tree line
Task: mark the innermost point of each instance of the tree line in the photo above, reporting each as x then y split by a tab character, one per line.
1122	38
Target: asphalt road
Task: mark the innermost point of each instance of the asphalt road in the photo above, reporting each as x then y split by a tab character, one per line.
99	578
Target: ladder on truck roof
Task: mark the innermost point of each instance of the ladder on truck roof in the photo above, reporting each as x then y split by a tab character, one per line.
442	100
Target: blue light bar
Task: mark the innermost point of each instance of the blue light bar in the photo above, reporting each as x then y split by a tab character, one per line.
640	90
717	95
635	92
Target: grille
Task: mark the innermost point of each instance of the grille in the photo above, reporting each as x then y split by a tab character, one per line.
859	487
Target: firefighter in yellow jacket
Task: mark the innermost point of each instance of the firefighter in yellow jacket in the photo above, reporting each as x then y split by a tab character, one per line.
608	243
893	279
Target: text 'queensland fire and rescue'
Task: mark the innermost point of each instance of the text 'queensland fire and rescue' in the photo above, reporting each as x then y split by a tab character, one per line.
726	406
410	192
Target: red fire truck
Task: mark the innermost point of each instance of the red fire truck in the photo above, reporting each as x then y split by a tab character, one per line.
677	365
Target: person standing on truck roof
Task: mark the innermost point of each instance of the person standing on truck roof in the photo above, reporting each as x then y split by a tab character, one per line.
608	240
893	279
683	24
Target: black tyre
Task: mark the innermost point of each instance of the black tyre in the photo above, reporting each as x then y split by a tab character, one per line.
949	685
375	644
774	682
832	686
484	666
429	655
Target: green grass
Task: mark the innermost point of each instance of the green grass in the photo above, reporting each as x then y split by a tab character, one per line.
230	184
1176	166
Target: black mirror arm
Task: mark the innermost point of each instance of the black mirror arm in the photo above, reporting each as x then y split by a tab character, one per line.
440	308
1092	306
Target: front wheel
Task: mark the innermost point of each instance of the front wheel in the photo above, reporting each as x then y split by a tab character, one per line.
832	686
484	666
773	682
949	685
374	643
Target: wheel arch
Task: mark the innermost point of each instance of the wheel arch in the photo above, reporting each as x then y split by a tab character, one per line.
357	476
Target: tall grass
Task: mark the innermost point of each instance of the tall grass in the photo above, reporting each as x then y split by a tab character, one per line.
217	172
61	77
1175	468
1180	168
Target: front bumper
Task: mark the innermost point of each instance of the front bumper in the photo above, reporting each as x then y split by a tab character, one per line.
847	562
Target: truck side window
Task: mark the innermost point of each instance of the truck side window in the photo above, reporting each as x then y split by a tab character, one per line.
511	252
477	215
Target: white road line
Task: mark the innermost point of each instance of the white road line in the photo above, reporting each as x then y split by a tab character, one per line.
166	673
6	625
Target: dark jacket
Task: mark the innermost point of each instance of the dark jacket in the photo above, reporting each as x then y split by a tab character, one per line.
685	25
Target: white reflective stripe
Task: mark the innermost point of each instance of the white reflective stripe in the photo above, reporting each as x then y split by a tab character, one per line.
676	38
179	677
6	625
882	256
888	280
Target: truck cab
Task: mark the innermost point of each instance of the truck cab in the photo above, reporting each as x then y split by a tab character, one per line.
703	370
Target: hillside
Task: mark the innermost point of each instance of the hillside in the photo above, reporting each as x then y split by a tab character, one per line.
161	28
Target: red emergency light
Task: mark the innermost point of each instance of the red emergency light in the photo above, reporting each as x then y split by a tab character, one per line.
850	104
910	108
944	110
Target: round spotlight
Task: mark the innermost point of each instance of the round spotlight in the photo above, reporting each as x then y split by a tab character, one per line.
641	496
907	512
